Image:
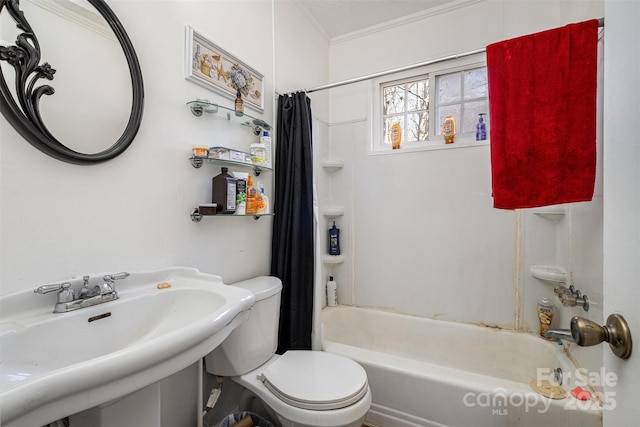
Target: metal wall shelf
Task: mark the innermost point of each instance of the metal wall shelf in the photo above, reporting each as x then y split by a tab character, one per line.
196	216
201	106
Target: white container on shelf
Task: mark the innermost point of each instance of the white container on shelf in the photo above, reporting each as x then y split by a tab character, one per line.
258	154
265	140
332	292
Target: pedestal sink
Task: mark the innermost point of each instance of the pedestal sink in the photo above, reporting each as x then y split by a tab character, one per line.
56	364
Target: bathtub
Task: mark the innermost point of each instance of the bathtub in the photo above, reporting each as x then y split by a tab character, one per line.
425	372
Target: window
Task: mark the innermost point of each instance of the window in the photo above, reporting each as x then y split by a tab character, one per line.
408	105
418	102
463	95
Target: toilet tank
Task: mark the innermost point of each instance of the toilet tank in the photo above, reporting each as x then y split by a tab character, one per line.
254	342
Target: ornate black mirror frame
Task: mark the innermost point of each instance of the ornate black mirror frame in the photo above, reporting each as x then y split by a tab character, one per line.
25	59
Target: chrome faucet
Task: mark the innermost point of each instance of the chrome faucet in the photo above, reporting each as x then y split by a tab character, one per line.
87	295
561	334
586	333
86	291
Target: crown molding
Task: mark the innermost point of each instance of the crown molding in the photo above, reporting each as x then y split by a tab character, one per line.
398	22
305	12
78	14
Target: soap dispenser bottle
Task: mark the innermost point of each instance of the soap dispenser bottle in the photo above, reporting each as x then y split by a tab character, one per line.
481	129
334	240
263	200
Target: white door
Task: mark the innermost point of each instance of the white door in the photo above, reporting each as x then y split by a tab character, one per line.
621	194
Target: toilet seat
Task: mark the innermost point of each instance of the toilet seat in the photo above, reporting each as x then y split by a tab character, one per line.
337	381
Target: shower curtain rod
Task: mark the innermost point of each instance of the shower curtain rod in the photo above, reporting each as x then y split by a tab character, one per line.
405	68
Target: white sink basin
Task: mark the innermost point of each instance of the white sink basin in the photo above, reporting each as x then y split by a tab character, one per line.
56	364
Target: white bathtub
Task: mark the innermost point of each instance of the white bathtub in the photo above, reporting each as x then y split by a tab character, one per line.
425	372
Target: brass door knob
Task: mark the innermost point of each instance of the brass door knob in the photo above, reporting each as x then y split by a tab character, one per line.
616	332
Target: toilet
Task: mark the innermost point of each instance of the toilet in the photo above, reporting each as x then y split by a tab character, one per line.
298	388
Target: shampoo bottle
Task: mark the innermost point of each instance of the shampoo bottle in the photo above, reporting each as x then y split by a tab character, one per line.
332	292
449	129
223	192
334	240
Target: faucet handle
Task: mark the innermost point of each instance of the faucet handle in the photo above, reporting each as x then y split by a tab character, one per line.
66	294
570	297
116	276
45	289
109	281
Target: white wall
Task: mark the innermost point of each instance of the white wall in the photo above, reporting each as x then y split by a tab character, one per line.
132	213
420	233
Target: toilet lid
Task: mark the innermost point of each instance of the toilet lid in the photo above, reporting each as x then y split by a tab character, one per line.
315	380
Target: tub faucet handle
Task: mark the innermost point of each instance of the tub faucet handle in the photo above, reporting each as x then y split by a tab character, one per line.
571	297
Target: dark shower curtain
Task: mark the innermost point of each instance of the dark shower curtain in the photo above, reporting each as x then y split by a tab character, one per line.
292	242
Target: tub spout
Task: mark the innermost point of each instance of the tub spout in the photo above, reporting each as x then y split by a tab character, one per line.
563	334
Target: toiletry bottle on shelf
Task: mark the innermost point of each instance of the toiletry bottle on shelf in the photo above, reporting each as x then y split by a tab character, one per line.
449	129
251	207
481	129
332	292
545	315
223	192
263	200
265	140
239	104
257	154
241	196
259	200
334	240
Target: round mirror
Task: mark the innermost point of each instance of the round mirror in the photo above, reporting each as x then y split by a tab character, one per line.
97	107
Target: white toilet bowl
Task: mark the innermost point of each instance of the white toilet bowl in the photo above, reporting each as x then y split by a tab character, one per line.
311	389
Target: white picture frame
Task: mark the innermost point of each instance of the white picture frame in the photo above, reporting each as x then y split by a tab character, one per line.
212	67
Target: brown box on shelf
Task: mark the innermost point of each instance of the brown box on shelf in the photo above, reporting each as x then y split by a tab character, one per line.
208	208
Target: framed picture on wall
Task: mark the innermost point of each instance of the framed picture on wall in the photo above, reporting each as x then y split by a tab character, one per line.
212	67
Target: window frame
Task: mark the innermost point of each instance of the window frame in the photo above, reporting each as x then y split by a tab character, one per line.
376	145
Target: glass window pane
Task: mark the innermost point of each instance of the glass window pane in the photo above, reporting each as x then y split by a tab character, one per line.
386	128
418	95
449	88
475	84
471	115
393	99
449	110
417	127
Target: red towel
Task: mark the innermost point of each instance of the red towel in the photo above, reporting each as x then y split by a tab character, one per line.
542	101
